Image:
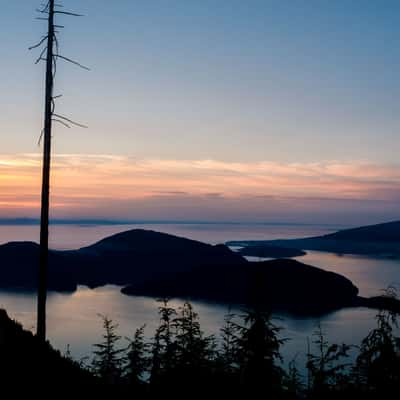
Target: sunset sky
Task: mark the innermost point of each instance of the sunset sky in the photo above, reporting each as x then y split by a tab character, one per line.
285	110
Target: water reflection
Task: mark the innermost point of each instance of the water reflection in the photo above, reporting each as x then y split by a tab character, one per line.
74	319
64	237
369	274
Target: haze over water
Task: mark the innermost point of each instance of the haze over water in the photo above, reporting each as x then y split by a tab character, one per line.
67	237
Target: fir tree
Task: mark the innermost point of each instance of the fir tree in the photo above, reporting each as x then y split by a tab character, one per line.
108	358
377	368
293	381
259	352
327	372
228	356
194	350
162	349
137	359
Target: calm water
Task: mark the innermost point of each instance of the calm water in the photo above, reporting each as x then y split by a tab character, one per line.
74	319
64	237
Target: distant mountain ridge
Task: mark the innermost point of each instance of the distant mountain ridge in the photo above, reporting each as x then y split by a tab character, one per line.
379	239
388	232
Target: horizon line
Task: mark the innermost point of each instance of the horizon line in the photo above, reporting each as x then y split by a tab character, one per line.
27	221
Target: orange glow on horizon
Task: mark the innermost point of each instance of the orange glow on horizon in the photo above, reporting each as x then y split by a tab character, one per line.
82	183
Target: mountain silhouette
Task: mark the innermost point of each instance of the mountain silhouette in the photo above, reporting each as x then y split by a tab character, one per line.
280	284
158	264
380	240
126	257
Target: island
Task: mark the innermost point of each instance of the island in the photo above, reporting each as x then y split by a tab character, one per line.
381	240
268	251
156	264
279	285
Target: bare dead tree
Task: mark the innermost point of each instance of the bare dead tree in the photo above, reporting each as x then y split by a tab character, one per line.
50	55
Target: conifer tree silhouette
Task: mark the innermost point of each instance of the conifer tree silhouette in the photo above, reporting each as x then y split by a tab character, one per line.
50	54
137	359
163	347
377	368
109	358
327	370
229	353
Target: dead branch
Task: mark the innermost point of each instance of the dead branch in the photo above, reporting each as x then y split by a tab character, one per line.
61	122
68	13
69	120
38	44
71	61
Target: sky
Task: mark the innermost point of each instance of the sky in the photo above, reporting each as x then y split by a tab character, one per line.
233	110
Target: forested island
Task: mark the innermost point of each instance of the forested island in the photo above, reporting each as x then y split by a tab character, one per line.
156	264
373	240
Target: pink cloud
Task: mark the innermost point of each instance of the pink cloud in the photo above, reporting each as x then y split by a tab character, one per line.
121	186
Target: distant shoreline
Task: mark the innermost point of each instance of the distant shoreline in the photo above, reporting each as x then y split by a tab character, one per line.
380	239
61	221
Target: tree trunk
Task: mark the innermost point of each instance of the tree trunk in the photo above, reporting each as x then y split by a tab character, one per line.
44	217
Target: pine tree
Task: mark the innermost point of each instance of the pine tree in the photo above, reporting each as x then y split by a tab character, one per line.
166	334
259	352
194	350
163	352
377	368
156	360
108	361
228	356
327	372
137	358
293	382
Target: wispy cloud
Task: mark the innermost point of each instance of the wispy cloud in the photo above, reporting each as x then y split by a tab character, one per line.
121	186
